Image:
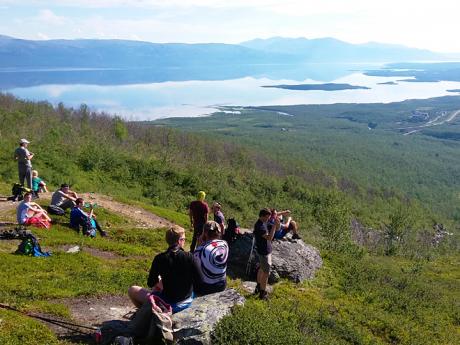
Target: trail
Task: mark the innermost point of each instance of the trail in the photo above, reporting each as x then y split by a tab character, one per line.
142	218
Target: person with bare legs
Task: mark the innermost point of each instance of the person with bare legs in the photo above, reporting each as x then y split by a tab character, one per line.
263	240
28	212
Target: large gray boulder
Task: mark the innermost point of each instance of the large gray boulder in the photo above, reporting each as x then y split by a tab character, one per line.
291	259
195	324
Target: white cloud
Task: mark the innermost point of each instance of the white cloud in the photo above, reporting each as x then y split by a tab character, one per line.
49	17
42	36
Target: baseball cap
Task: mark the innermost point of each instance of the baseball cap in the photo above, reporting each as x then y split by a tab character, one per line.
24	141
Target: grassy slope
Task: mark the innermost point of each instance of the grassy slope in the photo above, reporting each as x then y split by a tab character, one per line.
353	300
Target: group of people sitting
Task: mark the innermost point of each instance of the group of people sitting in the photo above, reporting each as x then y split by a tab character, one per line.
177	276
29	212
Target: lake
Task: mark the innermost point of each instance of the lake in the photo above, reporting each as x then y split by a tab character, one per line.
148	94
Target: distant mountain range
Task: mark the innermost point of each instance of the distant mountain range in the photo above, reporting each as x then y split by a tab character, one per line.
91	53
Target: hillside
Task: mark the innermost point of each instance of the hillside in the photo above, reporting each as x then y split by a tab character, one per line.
107	54
400	290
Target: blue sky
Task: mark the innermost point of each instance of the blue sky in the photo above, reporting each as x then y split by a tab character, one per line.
422	24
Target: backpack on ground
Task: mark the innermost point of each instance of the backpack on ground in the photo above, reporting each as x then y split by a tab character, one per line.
232	232
30	246
18	191
56	210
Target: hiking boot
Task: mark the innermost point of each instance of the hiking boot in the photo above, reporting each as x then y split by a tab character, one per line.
296	237
104	233
257	289
263	295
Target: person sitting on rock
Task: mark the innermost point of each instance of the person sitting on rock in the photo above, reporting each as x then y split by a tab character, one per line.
263	240
219	216
87	221
285	227
211	261
64	197
29	213
171	275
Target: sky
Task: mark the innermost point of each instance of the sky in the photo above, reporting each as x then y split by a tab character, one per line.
420	24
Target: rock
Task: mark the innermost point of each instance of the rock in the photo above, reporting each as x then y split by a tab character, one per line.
291	259
74	249
195	324
366	237
440	234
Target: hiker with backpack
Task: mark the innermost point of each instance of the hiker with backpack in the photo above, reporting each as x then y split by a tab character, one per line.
198	212
171	275
211	261
285	227
263	241
30	213
64	198
219	216
24	157
87	221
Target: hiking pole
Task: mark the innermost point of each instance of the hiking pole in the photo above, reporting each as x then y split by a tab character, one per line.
60	323
251	254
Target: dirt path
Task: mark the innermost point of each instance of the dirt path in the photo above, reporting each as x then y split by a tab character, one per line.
141	217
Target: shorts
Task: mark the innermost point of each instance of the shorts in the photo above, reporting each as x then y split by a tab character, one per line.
265	262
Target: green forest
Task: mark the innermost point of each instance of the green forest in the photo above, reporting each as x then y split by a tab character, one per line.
330	165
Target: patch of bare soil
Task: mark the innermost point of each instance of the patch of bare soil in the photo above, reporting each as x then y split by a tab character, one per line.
142	217
92	312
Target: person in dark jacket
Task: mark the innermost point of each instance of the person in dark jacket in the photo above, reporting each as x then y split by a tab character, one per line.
198	212
171	275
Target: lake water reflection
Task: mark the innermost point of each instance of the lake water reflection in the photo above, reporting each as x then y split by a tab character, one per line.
147	94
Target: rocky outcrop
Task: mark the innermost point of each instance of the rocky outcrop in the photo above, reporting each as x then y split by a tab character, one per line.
195	324
440	234
366	237
291	259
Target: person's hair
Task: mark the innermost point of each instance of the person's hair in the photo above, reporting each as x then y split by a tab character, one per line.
34	172
264	212
201	195
173	235
216	204
64	185
28	193
212	229
292	225
79	201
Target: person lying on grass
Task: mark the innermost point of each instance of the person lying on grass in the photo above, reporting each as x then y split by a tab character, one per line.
171	275
28	212
87	221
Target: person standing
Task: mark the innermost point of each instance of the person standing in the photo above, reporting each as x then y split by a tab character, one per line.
24	157
198	212
263	240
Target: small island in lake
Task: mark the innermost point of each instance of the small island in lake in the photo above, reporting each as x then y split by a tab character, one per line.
388	83
453	90
323	87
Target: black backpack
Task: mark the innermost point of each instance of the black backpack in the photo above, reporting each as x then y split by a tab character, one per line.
17	192
232	232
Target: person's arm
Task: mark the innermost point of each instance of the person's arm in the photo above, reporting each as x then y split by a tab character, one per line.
68	195
191	216
153	273
284	213
73	194
269	236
